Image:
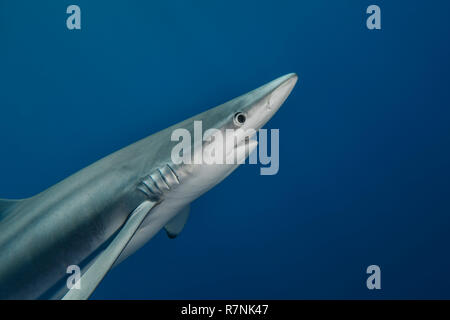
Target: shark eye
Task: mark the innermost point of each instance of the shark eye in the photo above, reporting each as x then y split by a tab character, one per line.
239	118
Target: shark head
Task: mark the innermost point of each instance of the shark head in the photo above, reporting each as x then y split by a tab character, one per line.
205	149
253	110
193	156
222	136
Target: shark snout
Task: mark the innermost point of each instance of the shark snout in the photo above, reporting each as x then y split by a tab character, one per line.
282	91
268	99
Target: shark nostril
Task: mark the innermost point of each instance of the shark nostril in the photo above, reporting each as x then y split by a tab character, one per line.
240	118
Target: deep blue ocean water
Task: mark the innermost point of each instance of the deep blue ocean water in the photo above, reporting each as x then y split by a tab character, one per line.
364	138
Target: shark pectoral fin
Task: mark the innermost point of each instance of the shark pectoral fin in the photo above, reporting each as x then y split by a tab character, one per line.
97	271
176	225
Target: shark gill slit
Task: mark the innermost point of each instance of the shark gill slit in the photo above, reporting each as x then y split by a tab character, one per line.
159	181
164	179
174	173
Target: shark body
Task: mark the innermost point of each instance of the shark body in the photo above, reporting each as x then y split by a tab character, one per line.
100	215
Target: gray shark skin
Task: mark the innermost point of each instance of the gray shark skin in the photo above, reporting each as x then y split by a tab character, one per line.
71	222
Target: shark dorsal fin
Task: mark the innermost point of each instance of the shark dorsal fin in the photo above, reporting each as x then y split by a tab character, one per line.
176	225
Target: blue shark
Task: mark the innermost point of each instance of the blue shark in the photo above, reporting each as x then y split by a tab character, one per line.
103	213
